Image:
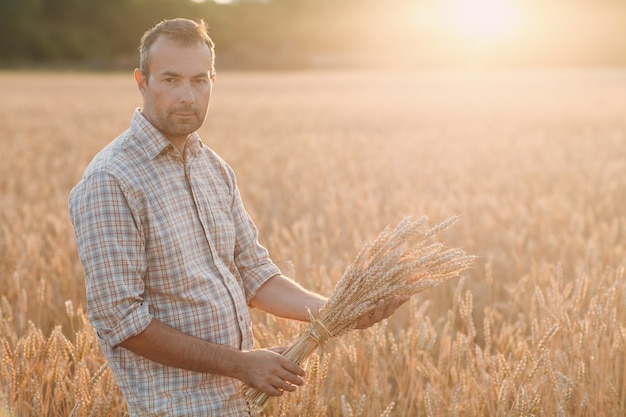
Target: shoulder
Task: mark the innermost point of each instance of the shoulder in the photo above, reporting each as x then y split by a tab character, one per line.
216	163
115	166
120	159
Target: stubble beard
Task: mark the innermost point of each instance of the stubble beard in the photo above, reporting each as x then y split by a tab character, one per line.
187	127
171	125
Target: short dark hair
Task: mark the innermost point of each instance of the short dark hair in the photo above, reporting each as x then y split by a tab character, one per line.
185	31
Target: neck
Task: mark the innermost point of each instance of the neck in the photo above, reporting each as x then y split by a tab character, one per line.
179	143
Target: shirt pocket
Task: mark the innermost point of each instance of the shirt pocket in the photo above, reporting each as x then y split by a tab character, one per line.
216	216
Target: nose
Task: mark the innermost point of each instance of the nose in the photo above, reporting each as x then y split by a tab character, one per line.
186	93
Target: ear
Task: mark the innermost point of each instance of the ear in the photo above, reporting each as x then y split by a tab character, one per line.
141	80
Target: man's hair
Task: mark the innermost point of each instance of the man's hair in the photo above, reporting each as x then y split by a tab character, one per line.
184	31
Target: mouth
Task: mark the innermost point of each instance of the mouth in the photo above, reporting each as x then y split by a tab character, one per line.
184	114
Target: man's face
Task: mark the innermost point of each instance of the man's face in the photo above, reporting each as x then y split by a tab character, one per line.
177	93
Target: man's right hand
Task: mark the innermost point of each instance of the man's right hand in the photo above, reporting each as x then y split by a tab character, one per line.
264	369
268	371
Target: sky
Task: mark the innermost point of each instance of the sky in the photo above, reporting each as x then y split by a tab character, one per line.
563	32
524	30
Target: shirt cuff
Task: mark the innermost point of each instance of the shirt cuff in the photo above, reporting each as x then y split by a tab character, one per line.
133	324
255	278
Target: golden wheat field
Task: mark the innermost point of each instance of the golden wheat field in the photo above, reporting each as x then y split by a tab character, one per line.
533	163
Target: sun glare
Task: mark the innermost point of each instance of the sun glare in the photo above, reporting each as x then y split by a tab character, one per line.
479	20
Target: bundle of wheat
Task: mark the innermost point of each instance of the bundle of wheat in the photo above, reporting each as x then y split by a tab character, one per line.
399	262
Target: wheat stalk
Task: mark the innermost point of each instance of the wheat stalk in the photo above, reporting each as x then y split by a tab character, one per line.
399	262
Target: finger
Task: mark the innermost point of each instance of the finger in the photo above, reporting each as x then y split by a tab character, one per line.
390	307
383	310
273	391
373	316
291	378
368	319
392	304
396	302
292	367
276	386
282	386
401	299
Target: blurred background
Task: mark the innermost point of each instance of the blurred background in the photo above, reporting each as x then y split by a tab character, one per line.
305	34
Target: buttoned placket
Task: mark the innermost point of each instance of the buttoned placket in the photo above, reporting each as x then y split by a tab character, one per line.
205	212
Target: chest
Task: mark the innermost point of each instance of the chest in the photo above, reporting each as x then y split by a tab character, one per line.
187	207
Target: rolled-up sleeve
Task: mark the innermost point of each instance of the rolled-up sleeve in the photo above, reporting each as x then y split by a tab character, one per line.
251	258
112	251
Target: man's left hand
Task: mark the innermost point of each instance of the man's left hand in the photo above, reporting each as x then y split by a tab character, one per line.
384	309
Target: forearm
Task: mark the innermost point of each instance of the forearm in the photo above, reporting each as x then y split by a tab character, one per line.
262	369
164	344
283	297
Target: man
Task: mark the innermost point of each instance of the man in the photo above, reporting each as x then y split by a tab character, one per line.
171	258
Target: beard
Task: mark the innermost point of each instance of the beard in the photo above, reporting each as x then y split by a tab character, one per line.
180	121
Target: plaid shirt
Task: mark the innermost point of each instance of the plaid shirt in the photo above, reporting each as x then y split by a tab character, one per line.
165	237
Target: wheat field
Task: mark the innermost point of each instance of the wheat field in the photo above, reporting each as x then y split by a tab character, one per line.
532	162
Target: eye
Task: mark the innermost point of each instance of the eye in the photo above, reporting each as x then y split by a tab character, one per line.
170	80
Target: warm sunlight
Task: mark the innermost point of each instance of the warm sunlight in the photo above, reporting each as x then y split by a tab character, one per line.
484	21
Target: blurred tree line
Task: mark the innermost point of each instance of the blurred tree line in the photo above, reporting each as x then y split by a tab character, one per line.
270	34
105	34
